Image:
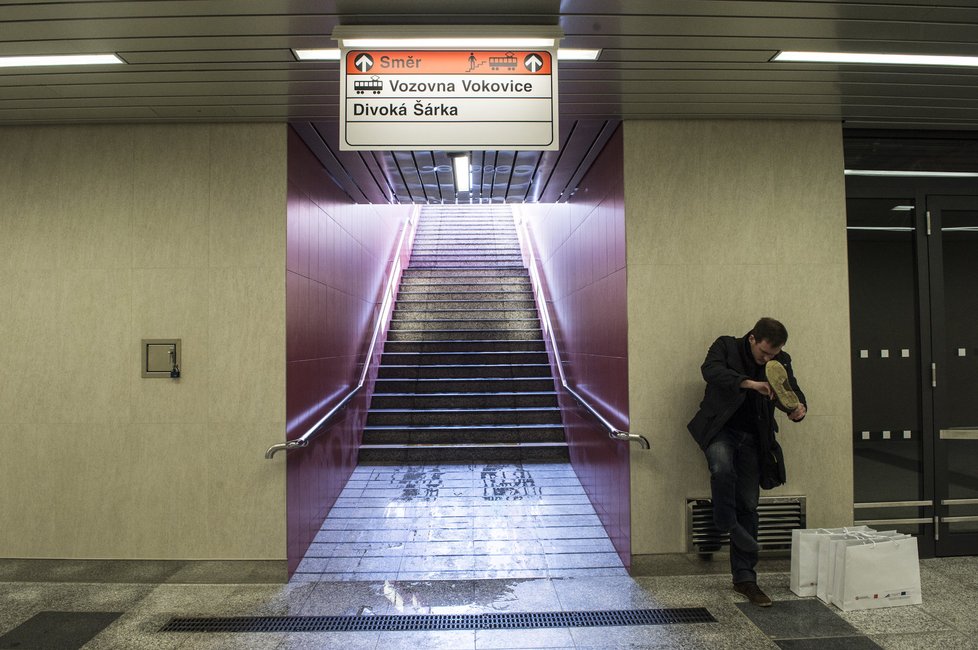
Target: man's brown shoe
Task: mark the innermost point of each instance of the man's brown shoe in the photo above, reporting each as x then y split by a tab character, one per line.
753	593
784	397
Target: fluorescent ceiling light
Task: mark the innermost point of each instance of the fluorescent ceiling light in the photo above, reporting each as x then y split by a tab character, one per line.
70	59
901	208
575	54
473	42
503	37
460	163
884	172
886	228
858	57
330	54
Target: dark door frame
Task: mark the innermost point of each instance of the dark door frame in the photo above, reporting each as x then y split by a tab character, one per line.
926	248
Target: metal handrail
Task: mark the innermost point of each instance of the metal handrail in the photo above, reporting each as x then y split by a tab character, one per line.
303	440
613	432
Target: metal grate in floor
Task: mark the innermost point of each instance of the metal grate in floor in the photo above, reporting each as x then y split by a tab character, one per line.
438	622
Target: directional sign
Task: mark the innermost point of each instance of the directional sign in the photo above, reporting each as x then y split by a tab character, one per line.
533	62
448	99
364	62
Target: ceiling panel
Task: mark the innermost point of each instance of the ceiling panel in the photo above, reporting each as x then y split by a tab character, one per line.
211	60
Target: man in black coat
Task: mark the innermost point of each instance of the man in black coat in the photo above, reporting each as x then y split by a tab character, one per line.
735	428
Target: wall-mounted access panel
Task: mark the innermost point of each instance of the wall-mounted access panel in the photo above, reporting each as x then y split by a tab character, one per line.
160	358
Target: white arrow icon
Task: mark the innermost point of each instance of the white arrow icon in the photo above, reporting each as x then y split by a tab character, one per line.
533	62
364	62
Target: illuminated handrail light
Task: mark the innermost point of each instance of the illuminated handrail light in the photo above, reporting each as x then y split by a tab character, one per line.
872	58
59	59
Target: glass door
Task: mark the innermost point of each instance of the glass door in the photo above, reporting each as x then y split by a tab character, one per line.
953	247
892	436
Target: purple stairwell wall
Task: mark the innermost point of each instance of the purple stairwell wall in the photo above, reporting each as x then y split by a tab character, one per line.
579	248
339	258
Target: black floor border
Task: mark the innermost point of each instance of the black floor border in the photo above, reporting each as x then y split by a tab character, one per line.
439	622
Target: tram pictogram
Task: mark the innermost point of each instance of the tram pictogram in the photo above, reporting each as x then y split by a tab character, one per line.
507	62
373	85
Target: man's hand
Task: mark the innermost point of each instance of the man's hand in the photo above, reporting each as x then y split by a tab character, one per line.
798	413
761	387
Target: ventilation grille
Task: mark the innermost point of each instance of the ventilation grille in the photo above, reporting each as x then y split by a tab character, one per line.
778	516
434	622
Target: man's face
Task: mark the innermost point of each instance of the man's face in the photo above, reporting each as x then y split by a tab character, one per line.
762	350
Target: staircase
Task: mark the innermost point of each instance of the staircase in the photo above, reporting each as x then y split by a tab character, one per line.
464	376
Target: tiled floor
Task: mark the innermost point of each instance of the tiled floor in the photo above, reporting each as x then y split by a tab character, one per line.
461	522
472	540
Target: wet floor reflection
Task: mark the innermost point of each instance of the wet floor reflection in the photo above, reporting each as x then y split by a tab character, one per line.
502	483
418	483
461	522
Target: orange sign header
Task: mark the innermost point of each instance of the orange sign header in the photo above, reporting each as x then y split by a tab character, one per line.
456	62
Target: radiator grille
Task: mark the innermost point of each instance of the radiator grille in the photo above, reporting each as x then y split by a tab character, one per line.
778	516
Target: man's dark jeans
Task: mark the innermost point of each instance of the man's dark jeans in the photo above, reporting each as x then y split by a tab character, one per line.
734	475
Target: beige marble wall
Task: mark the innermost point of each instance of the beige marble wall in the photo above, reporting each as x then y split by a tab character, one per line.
727	221
112	234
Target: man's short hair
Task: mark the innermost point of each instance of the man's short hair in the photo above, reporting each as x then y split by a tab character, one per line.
770	330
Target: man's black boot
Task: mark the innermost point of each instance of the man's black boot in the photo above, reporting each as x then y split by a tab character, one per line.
753	593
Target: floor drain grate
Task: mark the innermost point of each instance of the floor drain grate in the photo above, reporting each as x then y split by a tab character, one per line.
436	622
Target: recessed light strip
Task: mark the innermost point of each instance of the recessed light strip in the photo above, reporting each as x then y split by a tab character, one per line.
460	164
885	172
70	59
327	54
333	54
867	57
884	228
443	42
577	54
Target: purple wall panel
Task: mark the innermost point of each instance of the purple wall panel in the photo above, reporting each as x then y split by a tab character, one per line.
339	257
579	248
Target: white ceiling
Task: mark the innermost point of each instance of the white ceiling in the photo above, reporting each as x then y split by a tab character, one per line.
219	60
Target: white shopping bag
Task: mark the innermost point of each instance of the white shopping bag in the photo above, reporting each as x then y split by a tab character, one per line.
826	565
837	561
826	559
804	556
884	574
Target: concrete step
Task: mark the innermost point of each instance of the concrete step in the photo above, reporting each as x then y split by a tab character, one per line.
409	304
463	358
495	400
468	371
420	294
464	416
427	236
462	385
433	263
472	345
474	434
469	273
459	334
469	324
473	314
528	452
515	288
